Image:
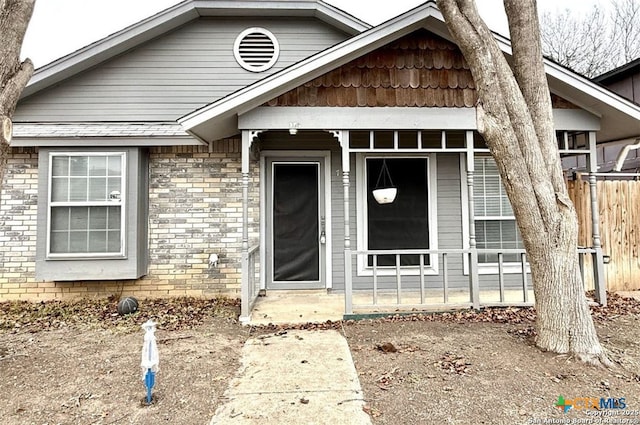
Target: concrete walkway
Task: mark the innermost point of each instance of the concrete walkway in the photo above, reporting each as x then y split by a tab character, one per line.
295	377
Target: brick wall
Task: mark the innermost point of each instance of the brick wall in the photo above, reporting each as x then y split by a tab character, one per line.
195	209
18	218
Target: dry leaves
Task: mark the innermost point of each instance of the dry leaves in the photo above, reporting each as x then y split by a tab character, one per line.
454	363
170	313
187	312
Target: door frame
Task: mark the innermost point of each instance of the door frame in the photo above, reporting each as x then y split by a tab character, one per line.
294	155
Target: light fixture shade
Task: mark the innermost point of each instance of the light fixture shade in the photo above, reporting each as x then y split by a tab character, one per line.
385	195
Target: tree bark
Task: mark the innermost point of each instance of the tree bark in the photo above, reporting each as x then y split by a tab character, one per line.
514	115
14	75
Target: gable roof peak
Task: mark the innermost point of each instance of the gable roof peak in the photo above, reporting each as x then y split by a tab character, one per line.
177	15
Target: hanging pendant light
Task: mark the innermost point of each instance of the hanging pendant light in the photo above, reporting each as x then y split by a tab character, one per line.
385	193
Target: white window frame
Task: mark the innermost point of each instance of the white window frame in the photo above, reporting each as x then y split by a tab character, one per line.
363	269
483	268
121	203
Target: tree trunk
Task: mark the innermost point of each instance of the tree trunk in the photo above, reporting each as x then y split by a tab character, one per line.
14	18
515	118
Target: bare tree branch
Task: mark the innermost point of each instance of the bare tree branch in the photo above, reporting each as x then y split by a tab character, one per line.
596	42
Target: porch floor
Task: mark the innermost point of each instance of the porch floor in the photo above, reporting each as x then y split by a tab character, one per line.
316	306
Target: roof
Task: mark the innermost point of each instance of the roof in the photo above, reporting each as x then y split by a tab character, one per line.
112	129
179	15
620	118
620	72
101	134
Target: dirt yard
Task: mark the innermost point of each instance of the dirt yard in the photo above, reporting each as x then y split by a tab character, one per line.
78	363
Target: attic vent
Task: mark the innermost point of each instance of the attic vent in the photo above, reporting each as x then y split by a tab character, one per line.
256	49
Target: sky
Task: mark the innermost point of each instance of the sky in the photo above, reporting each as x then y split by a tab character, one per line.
59	27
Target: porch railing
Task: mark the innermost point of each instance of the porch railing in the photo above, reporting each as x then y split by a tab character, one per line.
391	288
250	281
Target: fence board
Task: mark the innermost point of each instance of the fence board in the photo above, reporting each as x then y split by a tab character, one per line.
619	208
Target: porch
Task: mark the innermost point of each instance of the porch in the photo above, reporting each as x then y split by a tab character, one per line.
459	263
453	269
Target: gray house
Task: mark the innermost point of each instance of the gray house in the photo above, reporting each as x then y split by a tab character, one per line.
233	147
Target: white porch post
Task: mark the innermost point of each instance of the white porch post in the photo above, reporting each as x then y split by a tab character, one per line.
343	138
597	257
245	308
474	284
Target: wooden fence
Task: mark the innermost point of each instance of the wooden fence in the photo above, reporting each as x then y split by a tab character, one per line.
619	205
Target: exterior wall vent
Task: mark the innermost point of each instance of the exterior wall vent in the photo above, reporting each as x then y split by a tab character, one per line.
256	49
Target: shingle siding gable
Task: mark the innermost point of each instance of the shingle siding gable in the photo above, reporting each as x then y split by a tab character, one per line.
418	70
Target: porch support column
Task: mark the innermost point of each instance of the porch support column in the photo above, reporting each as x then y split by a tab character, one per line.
343	138
597	257
474	284
245	308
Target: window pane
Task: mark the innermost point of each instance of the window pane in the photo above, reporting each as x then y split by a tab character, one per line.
59	242
60	189
97	218
408	139
114	188
98	241
98	166
79	218
506	206
98	189
492	206
492	185
60	166
77	241
113	217
60	218
115	165
479	207
509	232
404	223
77	189
79	165
383	140
113	241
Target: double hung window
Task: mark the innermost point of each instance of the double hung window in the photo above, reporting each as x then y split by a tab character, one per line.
495	224
86	204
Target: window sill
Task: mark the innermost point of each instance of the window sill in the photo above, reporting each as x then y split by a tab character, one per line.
72	257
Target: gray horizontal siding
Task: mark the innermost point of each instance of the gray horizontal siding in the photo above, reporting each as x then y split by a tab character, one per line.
173	74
